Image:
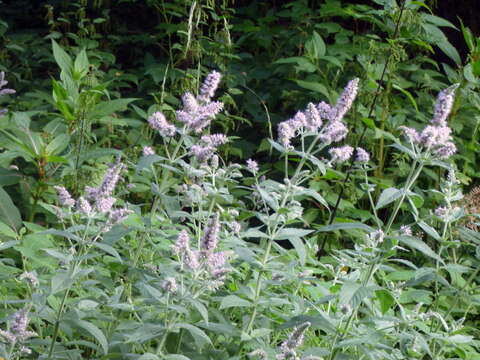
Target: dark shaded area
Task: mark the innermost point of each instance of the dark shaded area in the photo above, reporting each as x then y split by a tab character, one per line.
134	19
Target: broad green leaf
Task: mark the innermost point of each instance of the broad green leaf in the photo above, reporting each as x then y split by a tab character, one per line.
388	196
314	194
319	44
429	230
255	233
370	123
408	95
95	332
9	177
315	46
299	246
313	86
224	329
460	339
353	293
438	21
200	337
404	149
287	233
468	36
57	145
450	51
149	356
175	357
8	244
148	161
202	309
7	230
109	250
234	301
303	64
422	4
386	300
9	213
81	64
109	107
61	57
318	321
417	244
345	226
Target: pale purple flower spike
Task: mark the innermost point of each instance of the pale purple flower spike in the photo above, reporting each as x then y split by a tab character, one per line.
158	122
64	197
209	86
3	92
30	277
345	101
84	206
214	140
443	106
202	153
361	155
104	204
295	340
210	236
18	328
148	150
312	119
405	230
335	131
198	112
341	154
252	165
436	137
182	243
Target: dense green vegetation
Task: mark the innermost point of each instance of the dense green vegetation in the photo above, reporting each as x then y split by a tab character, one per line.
226	179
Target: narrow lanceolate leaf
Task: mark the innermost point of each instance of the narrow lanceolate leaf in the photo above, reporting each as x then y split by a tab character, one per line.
9	213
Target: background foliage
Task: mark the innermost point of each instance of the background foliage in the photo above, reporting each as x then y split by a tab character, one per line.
88	75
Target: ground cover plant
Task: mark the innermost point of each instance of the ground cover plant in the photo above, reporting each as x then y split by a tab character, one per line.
189	220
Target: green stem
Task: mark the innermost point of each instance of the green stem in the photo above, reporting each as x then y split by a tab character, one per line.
410	181
57	322
258	285
414	173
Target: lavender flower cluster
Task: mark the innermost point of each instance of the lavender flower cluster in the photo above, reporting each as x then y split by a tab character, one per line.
326	121
436	137
289	346
312	118
197	112
97	200
206	258
207	146
3	92
18	332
